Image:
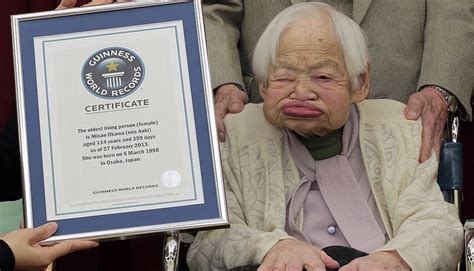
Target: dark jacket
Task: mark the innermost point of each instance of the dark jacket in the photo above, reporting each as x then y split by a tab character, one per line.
10	179
7	259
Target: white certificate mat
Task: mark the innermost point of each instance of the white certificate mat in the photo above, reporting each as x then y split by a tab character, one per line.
131	150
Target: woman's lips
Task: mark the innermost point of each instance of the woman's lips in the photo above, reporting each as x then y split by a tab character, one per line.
301	110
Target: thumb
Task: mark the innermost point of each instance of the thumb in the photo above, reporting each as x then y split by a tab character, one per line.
43	232
66	4
235	106
411	112
414	106
98	2
236	102
328	261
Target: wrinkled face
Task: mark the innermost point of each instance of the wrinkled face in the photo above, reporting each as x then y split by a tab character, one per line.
308	87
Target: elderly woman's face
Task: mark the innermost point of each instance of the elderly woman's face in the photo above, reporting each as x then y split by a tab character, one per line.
308	88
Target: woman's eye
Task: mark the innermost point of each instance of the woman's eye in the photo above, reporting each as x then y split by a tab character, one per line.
323	77
282	79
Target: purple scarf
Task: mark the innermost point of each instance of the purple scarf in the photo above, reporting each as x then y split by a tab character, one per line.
350	205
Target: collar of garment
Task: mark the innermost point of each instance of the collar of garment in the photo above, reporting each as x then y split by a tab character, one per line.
323	147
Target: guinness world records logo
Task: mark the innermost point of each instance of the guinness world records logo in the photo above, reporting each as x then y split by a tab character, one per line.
113	73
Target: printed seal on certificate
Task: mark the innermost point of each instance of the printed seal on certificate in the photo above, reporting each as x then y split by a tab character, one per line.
171	178
116	120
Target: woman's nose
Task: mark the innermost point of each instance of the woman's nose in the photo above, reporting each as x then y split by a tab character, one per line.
303	90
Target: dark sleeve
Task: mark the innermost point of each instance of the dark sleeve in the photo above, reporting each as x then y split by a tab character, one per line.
222	21
10	181
448	55
7	259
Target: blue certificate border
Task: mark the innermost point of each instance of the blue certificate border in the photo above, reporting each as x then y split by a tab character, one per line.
29	29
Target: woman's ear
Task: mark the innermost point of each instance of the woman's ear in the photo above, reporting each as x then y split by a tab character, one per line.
263	90
358	95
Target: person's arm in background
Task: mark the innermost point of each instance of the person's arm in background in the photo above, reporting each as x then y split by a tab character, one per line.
20	249
448	58
222	20
10	183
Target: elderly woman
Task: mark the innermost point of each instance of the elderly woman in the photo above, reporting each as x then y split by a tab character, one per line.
316	165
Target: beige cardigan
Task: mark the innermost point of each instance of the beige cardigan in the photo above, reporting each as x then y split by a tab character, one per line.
259	172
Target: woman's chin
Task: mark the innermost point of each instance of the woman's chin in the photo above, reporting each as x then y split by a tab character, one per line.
307	130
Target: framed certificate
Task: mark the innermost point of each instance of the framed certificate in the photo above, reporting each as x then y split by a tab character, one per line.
116	120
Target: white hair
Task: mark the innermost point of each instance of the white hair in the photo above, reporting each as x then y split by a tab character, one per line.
349	34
